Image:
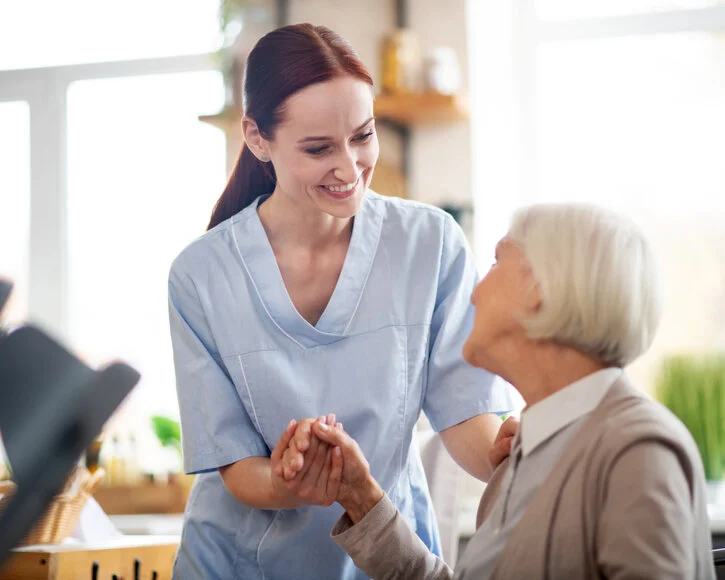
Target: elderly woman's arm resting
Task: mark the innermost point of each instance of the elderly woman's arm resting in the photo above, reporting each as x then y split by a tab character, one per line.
372	531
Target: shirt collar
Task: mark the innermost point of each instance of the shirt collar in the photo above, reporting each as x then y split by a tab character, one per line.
552	414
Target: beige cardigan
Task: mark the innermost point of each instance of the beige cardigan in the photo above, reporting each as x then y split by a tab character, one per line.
579	524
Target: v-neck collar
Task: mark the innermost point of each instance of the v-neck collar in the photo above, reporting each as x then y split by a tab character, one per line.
261	265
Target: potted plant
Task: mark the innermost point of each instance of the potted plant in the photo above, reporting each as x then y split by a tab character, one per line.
693	388
168	432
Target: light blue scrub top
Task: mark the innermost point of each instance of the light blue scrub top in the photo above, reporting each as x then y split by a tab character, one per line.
387	346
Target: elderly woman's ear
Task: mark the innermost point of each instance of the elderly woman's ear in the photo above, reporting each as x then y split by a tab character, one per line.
533	297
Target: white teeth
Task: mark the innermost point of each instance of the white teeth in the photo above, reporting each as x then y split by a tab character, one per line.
341	188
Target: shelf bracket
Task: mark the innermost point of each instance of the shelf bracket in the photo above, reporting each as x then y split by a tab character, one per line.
401	21
282	13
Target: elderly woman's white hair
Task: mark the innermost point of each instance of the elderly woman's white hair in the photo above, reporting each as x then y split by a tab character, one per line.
597	276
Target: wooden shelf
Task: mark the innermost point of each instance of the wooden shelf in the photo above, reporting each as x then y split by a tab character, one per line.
404	109
401	110
119	557
143	499
421	108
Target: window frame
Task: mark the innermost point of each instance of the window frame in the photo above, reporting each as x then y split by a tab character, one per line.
46	92
503	75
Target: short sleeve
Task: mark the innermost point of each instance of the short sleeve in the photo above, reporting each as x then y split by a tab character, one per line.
215	426
455	390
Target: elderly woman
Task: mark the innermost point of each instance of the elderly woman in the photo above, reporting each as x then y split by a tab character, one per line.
601	482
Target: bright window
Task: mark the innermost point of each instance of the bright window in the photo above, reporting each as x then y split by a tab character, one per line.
143	175
46	33
619	103
15	205
638	124
631	117
572	9
634	122
123	176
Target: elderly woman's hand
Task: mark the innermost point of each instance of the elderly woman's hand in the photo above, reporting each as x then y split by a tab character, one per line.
358	491
315	481
504	439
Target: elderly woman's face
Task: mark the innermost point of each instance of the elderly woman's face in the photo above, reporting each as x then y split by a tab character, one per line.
501	299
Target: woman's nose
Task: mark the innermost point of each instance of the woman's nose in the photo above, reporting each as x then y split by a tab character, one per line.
346	169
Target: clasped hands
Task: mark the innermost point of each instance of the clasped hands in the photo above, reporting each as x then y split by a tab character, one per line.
316	462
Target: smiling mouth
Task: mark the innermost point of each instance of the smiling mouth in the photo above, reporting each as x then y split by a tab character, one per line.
341	191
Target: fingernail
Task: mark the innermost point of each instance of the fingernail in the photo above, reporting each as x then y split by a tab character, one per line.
291	422
323	427
322	419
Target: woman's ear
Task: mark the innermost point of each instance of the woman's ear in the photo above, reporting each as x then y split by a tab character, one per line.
254	140
533	296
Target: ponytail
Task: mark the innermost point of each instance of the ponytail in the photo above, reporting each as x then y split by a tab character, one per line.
249	179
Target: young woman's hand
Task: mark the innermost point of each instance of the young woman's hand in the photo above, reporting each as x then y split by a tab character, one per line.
314	475
293	458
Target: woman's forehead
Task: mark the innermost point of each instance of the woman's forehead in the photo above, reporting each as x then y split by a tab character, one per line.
510	247
504	243
326	109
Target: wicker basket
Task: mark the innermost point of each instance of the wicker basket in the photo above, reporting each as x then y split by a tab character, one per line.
62	515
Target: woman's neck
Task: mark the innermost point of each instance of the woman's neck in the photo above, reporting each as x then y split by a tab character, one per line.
550	368
288	222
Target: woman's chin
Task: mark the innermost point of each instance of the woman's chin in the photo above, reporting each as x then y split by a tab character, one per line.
341	208
469	353
476	355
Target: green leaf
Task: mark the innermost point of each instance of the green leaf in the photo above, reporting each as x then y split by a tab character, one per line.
167	430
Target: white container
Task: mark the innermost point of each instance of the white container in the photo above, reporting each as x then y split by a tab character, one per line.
442	72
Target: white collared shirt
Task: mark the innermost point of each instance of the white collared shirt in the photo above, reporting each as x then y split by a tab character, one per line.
552	414
544	434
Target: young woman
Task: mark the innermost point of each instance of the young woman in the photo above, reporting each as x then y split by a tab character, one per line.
310	294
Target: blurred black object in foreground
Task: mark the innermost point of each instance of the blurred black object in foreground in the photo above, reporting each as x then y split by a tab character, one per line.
51	408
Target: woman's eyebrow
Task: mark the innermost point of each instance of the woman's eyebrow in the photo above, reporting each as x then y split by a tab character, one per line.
360	128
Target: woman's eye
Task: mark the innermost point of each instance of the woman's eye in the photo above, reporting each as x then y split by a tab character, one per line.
364	137
317	150
325	148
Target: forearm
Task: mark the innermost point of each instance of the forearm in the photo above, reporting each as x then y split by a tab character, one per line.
360	500
469	443
250	481
385	547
